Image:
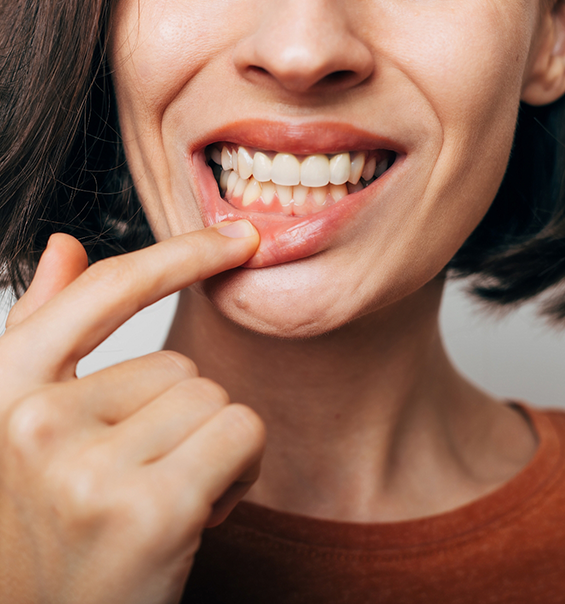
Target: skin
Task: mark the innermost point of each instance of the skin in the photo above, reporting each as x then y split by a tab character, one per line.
174	61
372	393
81	475
147	453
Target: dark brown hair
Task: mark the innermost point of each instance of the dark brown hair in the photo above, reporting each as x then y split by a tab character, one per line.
62	166
61	161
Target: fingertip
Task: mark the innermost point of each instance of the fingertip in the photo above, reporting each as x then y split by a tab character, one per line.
237	230
62	261
64	258
68	246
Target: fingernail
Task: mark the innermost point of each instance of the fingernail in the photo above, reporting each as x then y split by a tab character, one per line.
237	230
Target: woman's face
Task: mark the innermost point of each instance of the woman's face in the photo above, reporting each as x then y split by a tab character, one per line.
420	96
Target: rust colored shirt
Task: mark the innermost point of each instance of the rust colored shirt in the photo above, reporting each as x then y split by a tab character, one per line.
508	547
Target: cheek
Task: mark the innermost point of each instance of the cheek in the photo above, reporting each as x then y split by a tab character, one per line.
468	59
156	48
159	46
467	62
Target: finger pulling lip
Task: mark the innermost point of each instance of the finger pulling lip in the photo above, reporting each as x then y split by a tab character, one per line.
285	238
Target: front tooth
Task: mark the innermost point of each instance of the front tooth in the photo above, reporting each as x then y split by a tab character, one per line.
240	187
224	176
216	156
285	170
338	191
232	181
261	167
340	168
285	194
319	194
315	171
369	169
227	163
381	168
299	194
357	165
245	163
252	192
268	194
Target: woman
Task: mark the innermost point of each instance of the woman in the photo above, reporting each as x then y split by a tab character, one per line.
365	142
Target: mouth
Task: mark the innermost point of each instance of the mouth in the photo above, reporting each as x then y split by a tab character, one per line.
322	182
262	181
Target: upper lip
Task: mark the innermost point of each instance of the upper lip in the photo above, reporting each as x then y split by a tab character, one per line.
299	138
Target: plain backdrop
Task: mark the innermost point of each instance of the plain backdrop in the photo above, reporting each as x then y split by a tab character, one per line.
517	356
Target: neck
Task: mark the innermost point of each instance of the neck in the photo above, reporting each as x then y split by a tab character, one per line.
360	420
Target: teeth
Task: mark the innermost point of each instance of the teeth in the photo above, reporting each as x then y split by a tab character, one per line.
227	163
319	194
299	194
261	167
357	165
369	169
285	170
285	194
252	192
338	191
240	187
232	181
355	188
216	156
315	171
245	163
269	190
340	169
252	175
381	168
224	176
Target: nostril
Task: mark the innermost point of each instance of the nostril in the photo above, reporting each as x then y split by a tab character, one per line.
339	77
254	69
292	80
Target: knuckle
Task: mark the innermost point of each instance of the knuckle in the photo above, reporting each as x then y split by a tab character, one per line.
145	511
82	485
79	493
33	424
108	272
245	423
178	363
209	391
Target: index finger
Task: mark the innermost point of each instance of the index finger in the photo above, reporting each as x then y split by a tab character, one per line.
111	291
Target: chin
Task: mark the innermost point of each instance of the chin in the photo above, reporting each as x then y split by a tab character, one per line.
310	298
275	302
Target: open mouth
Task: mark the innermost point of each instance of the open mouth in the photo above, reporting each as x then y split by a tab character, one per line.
256	180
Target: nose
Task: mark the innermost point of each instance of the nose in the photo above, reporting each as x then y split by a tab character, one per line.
304	45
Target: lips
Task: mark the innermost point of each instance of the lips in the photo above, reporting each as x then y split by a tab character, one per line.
290	228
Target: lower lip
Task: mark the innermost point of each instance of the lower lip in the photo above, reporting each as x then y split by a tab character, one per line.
284	238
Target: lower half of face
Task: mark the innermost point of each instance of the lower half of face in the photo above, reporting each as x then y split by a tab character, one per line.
364	140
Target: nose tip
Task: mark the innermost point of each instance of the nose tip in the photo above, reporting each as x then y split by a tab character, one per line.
303	46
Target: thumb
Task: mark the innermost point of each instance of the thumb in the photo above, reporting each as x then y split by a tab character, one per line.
63	260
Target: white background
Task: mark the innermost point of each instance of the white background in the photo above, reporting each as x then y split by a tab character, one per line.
517	356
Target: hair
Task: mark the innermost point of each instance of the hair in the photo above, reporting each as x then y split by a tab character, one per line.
62	164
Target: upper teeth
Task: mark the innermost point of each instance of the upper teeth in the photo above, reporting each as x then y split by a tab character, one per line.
286	169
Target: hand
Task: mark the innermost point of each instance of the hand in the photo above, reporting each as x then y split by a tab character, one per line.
106	482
